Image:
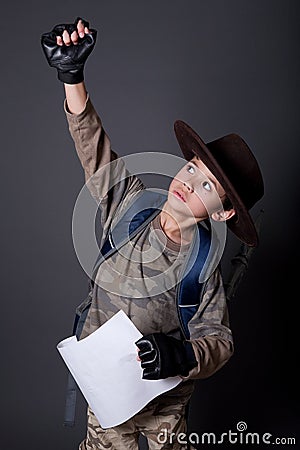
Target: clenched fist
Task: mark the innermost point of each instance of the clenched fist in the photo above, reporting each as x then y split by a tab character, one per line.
67	48
163	356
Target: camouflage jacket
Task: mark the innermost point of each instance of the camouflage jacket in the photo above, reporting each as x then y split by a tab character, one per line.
148	299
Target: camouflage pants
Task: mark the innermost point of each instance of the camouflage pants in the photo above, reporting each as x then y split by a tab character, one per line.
161	421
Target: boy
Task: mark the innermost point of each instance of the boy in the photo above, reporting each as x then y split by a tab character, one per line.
221	181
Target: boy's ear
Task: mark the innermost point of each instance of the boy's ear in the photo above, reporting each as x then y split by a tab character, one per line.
221	216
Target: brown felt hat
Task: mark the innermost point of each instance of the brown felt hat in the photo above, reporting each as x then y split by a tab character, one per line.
233	164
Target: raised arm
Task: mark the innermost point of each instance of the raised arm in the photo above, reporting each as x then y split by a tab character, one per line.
67	48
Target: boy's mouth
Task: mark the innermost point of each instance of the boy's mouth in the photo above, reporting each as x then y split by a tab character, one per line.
179	195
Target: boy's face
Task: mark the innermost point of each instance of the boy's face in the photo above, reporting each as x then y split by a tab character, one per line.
196	191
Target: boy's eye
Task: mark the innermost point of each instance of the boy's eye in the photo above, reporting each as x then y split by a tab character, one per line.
190	169
206	185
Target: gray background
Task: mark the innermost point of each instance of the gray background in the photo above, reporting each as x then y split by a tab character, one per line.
221	67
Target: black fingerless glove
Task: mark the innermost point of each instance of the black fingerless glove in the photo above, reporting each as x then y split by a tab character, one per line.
163	356
68	60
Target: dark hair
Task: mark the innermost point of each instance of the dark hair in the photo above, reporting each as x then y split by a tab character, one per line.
227	205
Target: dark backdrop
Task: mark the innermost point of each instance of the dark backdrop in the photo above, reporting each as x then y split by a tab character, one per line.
221	67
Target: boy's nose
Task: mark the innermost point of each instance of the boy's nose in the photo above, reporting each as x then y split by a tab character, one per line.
188	187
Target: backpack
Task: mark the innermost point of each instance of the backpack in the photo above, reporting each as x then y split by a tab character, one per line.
199	264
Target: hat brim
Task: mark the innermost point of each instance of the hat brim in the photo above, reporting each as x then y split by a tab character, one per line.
241	224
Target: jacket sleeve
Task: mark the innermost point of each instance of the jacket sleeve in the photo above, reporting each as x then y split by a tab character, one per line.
210	334
106	176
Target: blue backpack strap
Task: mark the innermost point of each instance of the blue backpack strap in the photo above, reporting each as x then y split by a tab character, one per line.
189	289
71	390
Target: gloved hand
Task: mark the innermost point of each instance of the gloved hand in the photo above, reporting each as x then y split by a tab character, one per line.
69	60
163	356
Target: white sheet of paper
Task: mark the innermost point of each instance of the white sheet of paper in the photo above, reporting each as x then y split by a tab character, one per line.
105	368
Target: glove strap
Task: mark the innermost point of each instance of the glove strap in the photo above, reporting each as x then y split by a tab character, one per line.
71	77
